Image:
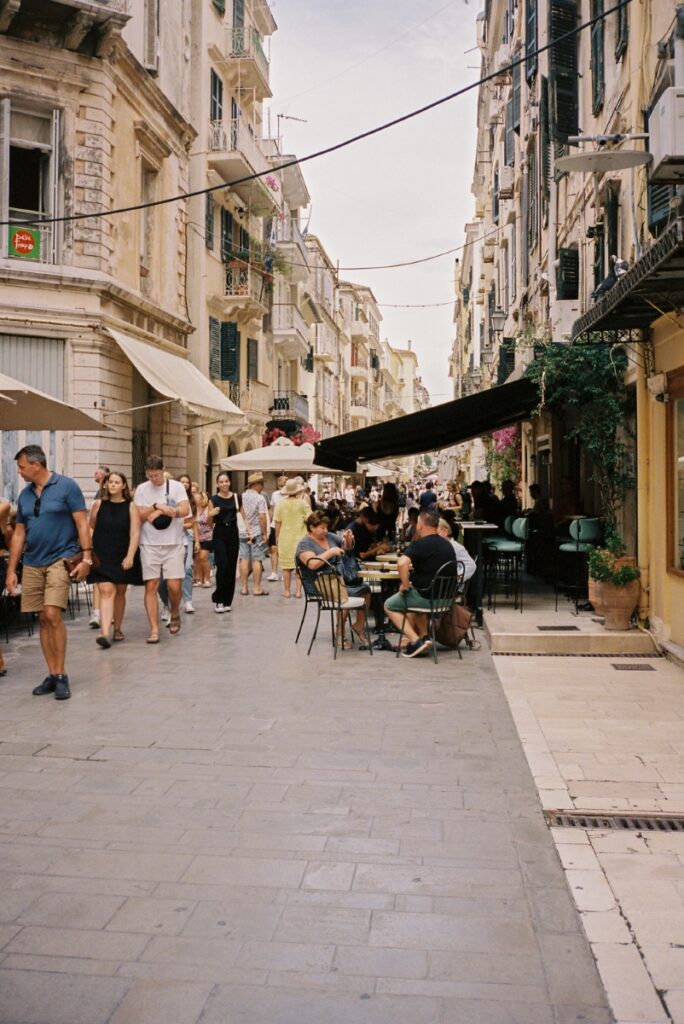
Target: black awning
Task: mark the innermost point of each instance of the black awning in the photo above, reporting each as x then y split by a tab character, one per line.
437	427
652	287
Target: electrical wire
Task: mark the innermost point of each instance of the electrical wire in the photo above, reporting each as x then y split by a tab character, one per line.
361	136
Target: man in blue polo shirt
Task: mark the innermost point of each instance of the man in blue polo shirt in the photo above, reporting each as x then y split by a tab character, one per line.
51	526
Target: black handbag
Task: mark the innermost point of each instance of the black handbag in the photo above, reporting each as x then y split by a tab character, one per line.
162	522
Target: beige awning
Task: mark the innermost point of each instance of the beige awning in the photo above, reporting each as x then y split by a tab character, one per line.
25	408
176	377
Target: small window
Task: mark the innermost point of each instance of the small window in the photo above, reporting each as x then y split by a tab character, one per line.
148	192
209	222
29	181
216	98
252	359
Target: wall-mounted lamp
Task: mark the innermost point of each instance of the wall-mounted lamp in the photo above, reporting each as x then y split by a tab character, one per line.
657	386
497	319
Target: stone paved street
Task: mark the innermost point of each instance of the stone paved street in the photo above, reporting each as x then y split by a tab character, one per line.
220	828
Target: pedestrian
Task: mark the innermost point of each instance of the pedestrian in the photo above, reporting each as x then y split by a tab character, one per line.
290	524
51	525
253	549
223	513
190	543
205	532
277	495
99	476
163	505
115	523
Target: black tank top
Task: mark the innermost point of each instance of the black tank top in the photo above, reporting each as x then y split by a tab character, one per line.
228	515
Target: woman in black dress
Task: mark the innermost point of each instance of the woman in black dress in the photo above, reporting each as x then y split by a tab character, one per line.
223	510
115	522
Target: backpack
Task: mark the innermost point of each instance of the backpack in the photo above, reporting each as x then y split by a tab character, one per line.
453	627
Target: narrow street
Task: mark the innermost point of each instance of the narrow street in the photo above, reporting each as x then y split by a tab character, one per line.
222	828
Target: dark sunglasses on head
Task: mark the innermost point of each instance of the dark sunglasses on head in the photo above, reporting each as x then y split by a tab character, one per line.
36	507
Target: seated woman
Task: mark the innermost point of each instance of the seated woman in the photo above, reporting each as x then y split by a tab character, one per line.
461	554
316	551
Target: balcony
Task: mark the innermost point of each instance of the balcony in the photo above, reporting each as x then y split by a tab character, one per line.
235	153
359	364
89	26
244	292
253	397
359	330
326	347
290	331
245	63
288	405
291	248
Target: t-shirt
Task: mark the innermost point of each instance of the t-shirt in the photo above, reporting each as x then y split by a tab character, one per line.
428	554
52	533
427	499
147	494
462	555
308	543
363	538
254	505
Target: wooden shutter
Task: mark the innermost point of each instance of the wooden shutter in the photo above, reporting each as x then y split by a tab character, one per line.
244	245
226	235
597	59
309	361
567	275
524	247
216	101
220	6
214	348
532	200
611	218
495	197
230	352
151	35
659	209
599	256
509	137
530	39
5	131
622	32
209	221
563	76
252	359
517	87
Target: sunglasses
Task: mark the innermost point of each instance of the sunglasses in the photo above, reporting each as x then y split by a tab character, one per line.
36	508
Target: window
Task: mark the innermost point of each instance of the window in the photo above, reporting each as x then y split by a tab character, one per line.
148	183
252	359
675	471
509	135
532	200
216	98
226	235
622	34
567	275
530	39
209	222
230	352
495	197
660	198
151	35
597	59
214	348
29	180
517	87
563	73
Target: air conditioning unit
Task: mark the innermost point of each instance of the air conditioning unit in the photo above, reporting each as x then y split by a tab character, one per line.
666	136
506	177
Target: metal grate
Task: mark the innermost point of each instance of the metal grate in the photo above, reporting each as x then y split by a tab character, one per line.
632	823
633	668
565	654
558	629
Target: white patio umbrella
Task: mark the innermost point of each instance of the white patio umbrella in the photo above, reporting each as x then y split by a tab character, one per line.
281	456
25	408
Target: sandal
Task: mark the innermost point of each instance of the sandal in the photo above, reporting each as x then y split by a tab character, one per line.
153	638
118	636
361	637
245	593
103	641
174	625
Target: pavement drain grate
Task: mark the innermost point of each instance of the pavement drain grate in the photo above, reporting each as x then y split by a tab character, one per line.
633	668
566	654
558	629
641	823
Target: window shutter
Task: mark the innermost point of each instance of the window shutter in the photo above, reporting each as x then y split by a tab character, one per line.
220	6
4	170
209	222
567	275
309	361
509	138
495	197
545	139
532	200
214	348
530	39
599	256
659	209
244	245
611	216
252	359
563	70
230	352
597	61
517	86
151	35
216	97
622	32
226	235
524	247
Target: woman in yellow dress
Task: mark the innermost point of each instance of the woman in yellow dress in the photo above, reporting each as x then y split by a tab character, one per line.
290	525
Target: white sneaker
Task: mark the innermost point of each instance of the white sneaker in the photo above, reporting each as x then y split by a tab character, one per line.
220	609
189	607
165	615
94	620
227	607
273	578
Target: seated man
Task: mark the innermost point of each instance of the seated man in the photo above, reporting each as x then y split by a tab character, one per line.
423	557
363	530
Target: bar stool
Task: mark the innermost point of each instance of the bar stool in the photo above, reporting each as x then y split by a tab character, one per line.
585	535
504	564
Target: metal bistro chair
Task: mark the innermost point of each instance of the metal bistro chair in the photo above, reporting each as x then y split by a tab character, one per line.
447	583
309	598
331	590
504	561
585	535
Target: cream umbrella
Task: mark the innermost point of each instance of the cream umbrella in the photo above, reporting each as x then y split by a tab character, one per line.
25	408
283	456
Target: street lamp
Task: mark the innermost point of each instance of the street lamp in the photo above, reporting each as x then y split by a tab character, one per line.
497	319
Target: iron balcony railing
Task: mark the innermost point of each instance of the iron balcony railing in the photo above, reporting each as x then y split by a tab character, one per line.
287	317
289	404
243	282
247	45
236	136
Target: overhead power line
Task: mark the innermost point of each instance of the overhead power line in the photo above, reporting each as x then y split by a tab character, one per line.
328	149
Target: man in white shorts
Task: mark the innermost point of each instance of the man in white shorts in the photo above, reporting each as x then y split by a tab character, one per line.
165	503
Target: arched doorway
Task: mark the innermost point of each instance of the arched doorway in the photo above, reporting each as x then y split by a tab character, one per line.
211	467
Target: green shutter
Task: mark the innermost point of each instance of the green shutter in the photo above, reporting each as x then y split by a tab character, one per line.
309	361
530	39
659	209
209	221
532	200
509	137
597	59
220	6
230	352
495	197
226	235
599	256
622	33
517	79
252	359
611	214
214	348
567	275
563	76
244	246
216	101
545	139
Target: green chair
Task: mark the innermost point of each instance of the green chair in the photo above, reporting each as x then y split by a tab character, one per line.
571	562
504	564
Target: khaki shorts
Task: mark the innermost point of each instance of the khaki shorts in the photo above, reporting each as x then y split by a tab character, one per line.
166	558
43	585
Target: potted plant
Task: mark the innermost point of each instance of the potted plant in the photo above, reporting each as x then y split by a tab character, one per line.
613	583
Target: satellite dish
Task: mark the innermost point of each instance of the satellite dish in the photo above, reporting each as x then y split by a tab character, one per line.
603	160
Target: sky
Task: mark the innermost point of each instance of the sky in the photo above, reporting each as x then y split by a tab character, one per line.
344	66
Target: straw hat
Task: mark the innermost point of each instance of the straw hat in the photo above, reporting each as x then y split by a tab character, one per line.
255	478
293	487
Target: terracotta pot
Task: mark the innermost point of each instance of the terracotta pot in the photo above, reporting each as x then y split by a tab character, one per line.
614	603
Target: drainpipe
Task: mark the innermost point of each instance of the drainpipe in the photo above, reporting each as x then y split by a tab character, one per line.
644	466
679	46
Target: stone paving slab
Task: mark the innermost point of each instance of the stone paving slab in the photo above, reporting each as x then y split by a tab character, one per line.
223	829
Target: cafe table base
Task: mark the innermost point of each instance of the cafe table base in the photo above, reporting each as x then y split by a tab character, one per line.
383	585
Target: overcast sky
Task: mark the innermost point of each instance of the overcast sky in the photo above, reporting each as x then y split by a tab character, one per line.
346	66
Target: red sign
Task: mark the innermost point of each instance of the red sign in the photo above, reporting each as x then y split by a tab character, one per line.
23	242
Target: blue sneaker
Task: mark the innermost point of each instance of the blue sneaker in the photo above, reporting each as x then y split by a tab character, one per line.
419	646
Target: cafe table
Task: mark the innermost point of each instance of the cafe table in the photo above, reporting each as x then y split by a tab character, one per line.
473	533
386	580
